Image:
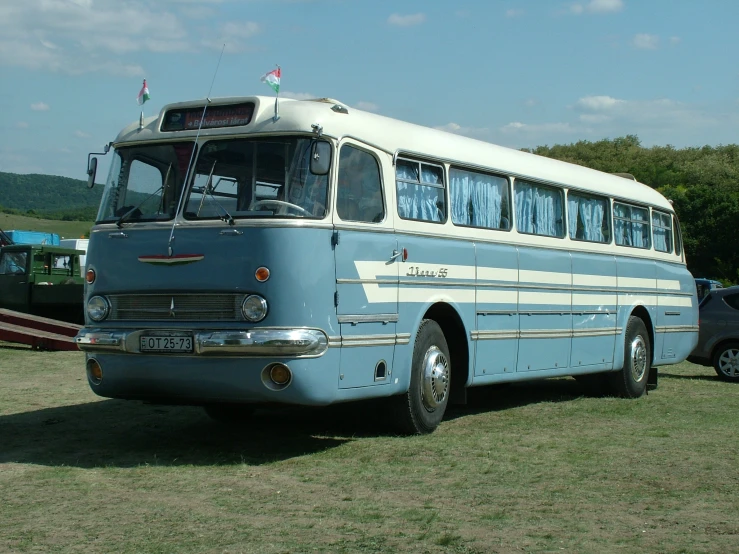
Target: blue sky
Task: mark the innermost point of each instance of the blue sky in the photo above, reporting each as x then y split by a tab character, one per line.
520	73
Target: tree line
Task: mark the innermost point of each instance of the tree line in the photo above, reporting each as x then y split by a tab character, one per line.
701	182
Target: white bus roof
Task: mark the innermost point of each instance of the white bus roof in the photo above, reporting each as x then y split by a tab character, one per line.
339	120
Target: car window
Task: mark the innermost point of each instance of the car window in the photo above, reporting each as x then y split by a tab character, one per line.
732	300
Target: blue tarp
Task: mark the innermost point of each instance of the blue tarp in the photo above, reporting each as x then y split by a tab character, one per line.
33	237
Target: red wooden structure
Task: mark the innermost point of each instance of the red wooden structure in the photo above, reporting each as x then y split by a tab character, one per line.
38	332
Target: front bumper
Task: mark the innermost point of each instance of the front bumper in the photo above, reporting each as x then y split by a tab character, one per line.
264	342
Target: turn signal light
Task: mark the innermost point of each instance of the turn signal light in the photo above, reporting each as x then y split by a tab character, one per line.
90	276
262	274
94	371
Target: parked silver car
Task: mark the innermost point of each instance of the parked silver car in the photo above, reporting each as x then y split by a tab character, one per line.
718	340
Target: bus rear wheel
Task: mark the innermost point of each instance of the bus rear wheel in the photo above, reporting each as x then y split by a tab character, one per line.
631	381
422	408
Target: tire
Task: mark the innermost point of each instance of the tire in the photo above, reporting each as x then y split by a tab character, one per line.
422	408
726	361
229	414
631	381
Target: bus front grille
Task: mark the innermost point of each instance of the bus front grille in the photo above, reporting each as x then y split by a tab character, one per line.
176	307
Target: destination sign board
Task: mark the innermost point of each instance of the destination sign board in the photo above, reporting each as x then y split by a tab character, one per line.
189	119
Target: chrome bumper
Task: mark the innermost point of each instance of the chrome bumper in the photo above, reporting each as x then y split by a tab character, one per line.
255	342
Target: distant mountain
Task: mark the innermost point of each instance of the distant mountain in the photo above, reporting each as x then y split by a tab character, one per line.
47	194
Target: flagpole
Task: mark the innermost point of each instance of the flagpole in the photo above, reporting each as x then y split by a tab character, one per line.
277	109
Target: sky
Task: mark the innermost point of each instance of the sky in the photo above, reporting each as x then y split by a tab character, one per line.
519	73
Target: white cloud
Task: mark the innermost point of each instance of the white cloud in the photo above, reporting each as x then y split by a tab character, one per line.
367	106
675	40
21	125
540	128
531	102
406	20
40	107
514	13
644	41
81	134
472	132
298	95
80	36
597	103
594	118
597	6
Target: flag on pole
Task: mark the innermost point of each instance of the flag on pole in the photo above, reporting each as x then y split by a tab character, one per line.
143	94
273	79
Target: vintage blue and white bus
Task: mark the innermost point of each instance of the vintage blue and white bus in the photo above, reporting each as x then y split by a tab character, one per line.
327	255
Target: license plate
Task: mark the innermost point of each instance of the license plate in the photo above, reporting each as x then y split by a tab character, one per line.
151	343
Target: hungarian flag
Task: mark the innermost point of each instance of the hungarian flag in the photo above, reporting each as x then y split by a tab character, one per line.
143	94
273	79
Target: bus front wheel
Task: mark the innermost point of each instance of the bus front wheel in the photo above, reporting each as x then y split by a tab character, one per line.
422	408
631	381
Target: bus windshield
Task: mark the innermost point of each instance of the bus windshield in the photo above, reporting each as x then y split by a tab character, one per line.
263	178
145	182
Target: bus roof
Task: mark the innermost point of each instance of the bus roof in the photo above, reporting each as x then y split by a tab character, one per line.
339	120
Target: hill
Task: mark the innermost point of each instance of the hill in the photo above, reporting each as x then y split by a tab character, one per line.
65	229
48	194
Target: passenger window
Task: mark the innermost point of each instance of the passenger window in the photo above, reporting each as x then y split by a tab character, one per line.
587	218
678	238
732	300
631	225
539	210
662	231
420	191
360	188
479	200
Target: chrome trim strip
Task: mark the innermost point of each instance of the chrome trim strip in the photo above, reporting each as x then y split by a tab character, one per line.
672	313
676	329
543	333
368	318
369	340
253	342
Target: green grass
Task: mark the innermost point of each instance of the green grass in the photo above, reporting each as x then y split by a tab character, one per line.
65	229
534	467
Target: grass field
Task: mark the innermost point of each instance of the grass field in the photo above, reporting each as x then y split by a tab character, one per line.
65	229
527	468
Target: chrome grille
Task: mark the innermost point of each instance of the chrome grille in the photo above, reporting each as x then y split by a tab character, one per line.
176	307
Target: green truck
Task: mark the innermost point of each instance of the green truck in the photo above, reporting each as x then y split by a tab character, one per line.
42	280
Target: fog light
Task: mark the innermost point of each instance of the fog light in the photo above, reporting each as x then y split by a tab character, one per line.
94	371
254	308
280	374
98	308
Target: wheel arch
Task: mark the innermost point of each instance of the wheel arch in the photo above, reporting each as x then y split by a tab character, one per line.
448	318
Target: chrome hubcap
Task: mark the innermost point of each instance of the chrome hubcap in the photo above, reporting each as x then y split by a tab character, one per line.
638	358
435	378
728	363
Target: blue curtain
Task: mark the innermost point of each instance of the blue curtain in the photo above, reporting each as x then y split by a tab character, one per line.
662	230
589	212
419	201
477	199
631	226
538	210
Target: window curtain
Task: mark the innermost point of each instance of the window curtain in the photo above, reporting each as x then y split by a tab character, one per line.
589	213
662	232
631	226
640	231
538	210
477	199
418	201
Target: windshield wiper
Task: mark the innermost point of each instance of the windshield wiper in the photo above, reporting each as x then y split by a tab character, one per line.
208	189
119	222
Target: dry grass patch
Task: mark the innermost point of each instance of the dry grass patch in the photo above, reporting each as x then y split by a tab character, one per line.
535	467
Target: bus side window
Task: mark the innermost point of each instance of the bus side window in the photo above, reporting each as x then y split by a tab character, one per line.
360	187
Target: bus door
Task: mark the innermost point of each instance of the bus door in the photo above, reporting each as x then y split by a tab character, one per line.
367	261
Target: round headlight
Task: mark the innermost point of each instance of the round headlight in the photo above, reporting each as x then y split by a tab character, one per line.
98	308
254	308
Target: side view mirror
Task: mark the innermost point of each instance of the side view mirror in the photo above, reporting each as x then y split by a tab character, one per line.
92	167
320	157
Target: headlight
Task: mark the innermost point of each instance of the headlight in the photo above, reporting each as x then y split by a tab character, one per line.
254	308
98	308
